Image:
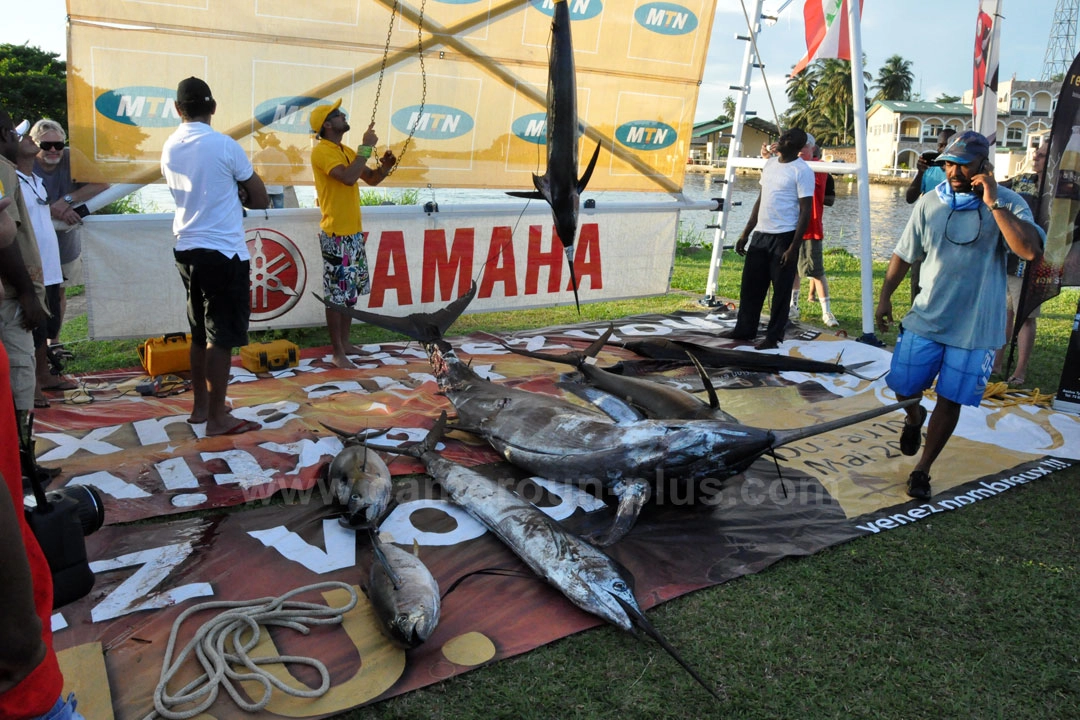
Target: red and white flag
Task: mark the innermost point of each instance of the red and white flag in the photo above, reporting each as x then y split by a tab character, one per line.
985	65
827	34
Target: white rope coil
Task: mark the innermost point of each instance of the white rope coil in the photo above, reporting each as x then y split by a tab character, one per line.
222	650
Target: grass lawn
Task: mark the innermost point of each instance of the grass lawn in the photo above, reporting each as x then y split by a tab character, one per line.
971	614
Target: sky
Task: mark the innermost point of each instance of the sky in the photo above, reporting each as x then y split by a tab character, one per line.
937	36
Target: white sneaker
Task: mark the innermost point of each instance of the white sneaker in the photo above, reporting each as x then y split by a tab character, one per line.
829	319
793	310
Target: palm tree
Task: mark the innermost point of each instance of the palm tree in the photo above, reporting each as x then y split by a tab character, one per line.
800	93
894	79
729	107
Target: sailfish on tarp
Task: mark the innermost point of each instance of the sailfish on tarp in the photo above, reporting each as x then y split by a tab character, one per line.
560	185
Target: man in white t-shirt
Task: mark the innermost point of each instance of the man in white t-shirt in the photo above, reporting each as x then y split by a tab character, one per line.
210	178
778	223
37	208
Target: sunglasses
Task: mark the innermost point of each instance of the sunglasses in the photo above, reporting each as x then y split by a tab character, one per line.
51	146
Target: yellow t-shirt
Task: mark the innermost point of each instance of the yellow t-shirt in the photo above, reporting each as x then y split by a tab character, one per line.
340	203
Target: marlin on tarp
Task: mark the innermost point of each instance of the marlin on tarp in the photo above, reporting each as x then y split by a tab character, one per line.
560	185
655	400
588	577
563	441
710	357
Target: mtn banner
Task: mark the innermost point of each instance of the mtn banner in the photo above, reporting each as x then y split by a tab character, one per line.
469	110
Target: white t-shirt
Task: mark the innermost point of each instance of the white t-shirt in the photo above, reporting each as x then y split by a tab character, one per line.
202	167
782	184
41	220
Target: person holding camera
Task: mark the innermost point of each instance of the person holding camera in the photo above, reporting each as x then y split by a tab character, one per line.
341	237
211	179
30	680
961	232
928	175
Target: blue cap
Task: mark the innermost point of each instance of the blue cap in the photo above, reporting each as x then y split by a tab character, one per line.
965	148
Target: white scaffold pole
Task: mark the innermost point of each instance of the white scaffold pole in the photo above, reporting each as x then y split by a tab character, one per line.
750	58
858	93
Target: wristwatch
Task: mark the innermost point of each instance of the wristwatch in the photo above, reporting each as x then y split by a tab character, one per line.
68	199
999	205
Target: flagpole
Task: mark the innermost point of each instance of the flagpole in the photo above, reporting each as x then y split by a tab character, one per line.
858	94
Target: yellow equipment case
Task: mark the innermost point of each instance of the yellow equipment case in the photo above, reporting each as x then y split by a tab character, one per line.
166	354
270	356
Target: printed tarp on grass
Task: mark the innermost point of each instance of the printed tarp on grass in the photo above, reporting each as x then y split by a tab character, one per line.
834	487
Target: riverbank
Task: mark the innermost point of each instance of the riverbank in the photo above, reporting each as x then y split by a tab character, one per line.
751	172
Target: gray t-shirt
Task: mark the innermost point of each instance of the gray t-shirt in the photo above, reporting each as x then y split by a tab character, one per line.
58	183
961	301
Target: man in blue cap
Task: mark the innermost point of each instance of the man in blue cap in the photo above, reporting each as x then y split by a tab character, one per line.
961	232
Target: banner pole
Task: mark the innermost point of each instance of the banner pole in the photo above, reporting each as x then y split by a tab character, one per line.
866	257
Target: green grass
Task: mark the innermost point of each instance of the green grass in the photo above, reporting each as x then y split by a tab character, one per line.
968	614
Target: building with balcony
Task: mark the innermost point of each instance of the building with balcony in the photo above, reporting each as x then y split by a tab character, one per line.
899	131
710	139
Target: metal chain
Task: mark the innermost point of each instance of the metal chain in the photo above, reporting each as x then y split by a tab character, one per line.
423	80
382	68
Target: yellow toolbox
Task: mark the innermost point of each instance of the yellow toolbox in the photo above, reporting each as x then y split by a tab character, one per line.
270	356
166	354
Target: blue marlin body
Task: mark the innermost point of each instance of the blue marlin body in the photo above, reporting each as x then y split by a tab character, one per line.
560	185
563	441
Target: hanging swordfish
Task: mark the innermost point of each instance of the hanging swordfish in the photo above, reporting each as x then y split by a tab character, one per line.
559	440
560	185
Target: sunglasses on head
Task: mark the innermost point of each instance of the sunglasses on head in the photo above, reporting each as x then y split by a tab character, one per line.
53	146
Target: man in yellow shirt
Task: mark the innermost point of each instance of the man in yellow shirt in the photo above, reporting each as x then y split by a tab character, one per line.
341	237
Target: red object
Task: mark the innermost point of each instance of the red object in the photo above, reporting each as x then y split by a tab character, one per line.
37	693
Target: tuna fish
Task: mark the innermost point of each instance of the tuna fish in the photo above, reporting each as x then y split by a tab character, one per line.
360	481
403	593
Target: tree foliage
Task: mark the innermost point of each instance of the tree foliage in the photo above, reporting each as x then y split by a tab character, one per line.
33	83
943	98
894	79
821	101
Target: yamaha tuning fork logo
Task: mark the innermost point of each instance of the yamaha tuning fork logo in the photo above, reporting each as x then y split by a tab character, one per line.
278	274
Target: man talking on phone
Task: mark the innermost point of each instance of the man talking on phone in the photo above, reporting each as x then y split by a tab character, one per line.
960	232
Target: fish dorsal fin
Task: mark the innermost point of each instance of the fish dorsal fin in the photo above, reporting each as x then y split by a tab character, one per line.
416	547
714	402
589	170
598	344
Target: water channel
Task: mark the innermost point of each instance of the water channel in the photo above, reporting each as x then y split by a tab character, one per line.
888	211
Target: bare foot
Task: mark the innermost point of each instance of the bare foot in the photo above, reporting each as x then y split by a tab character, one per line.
231	426
343	362
355	350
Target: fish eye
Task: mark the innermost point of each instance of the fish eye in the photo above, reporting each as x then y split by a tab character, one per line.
619	585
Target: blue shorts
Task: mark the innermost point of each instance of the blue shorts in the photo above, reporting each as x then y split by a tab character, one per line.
961	374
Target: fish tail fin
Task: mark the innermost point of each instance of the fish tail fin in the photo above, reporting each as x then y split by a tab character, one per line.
526	194
783	437
589	170
423	327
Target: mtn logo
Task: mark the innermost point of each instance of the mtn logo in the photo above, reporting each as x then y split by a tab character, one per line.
646	135
666	18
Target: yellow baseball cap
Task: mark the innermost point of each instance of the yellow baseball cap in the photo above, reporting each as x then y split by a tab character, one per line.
318	115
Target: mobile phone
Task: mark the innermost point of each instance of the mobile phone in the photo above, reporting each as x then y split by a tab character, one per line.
82	211
930	157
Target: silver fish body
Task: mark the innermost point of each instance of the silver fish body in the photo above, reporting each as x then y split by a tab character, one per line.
404	595
360	481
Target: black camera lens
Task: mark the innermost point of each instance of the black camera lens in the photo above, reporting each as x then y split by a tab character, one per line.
89	507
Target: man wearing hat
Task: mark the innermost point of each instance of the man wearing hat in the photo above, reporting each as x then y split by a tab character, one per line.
337	168
209	177
961	232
